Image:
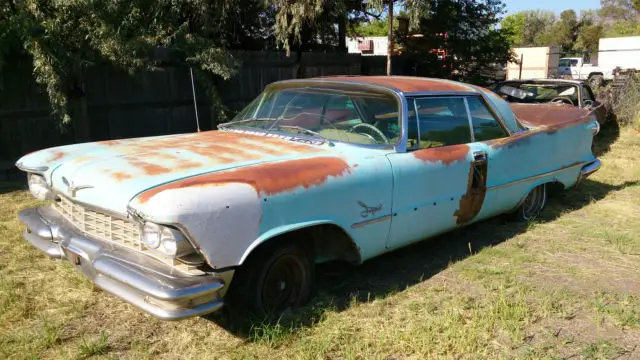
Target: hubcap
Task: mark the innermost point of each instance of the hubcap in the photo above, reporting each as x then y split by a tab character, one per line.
283	284
534	202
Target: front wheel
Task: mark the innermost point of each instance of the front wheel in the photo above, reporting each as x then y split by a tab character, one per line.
273	280
532	204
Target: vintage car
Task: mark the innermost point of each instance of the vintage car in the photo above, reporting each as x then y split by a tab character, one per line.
314	170
557	91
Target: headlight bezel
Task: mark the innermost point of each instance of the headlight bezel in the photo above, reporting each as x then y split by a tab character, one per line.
39	187
169	241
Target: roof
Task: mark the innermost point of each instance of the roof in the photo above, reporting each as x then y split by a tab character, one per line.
565	81
407	84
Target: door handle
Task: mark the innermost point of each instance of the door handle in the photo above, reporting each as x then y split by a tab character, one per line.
480	156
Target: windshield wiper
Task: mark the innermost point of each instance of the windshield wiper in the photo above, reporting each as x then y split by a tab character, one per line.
295	127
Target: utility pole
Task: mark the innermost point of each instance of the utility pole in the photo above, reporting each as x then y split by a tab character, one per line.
390	37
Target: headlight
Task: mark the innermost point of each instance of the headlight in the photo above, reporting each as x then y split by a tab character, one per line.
165	240
38	187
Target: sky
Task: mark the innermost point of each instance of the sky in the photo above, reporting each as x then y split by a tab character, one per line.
554	5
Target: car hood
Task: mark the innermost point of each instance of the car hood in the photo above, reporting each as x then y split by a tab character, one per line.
108	174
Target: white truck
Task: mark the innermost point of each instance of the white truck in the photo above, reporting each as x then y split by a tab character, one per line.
613	53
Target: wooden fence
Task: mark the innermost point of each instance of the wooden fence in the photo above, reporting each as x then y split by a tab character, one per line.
121	105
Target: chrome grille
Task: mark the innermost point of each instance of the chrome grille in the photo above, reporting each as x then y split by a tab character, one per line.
99	225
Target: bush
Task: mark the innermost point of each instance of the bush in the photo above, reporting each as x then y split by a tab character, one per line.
622	99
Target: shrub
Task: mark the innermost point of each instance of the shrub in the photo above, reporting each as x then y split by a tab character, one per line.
622	99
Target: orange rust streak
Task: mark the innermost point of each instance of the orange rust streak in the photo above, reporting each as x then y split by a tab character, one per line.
471	201
120	176
57	155
404	83
550	115
110	142
446	154
148	168
268	179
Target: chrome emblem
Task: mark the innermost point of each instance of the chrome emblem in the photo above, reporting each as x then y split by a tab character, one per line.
72	189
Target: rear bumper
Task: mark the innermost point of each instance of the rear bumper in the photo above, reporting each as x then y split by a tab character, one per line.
138	279
588	169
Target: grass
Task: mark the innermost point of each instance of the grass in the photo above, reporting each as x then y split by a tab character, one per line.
566	286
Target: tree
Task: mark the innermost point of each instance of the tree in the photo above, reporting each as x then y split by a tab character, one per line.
620	17
65	37
590	31
465	29
530	27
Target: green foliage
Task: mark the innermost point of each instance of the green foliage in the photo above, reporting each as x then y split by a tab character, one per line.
65	37
371	28
472	39
528	28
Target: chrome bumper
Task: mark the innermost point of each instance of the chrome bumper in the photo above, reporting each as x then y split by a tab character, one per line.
138	279
588	169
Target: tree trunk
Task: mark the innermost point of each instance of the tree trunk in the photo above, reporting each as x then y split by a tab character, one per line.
342	34
390	37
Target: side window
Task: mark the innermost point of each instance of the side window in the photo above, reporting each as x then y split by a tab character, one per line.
573	62
586	94
441	121
563	63
485	125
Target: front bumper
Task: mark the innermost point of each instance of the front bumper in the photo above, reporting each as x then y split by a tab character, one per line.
138	279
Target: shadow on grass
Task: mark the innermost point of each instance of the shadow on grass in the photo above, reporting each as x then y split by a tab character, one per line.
340	285
11	186
609	133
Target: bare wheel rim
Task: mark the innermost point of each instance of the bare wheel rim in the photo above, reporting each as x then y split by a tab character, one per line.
283	283
534	202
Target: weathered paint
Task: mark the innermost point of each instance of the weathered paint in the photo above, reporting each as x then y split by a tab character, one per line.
232	191
266	179
406	84
549	114
471	202
445	154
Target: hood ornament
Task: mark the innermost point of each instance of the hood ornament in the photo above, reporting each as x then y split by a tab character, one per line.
72	189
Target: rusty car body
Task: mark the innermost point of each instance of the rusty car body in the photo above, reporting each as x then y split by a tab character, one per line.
557	91
313	170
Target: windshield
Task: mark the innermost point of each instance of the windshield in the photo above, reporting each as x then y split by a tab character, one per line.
353	115
537	93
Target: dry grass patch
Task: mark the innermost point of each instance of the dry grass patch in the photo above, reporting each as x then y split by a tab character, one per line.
565	286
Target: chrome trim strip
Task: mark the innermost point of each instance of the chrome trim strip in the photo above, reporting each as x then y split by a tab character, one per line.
440	93
588	170
494	187
36	169
466	105
415	108
154	287
370	221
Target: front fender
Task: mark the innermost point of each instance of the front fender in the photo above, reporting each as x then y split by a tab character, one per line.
284	229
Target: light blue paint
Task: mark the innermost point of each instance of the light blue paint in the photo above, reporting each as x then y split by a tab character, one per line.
419	197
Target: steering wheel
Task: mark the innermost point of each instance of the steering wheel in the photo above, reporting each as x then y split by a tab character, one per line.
587	104
561	99
375	130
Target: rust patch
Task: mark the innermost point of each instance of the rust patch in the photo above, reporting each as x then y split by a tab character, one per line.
446	154
471	202
267	179
549	115
119	176
148	168
407	84
110	142
56	155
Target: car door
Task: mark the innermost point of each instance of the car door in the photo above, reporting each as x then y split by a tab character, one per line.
440	182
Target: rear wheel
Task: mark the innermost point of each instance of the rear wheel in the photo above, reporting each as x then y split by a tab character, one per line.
273	280
532	204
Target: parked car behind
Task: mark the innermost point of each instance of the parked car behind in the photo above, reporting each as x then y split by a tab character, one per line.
558	91
313	170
